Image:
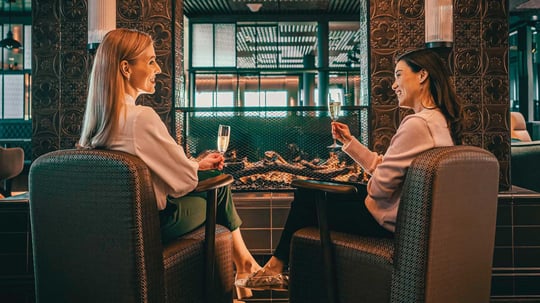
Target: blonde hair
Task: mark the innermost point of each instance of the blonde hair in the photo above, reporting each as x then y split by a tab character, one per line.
106	92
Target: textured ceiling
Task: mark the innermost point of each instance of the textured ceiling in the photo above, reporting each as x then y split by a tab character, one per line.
524	12
204	8
16	5
524	5
284	44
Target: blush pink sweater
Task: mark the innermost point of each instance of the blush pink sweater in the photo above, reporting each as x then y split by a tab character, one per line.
416	134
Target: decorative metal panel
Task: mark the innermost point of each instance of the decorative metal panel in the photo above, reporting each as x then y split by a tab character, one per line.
481	31
477	61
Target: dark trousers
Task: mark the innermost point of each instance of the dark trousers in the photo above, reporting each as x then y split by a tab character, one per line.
346	213
185	214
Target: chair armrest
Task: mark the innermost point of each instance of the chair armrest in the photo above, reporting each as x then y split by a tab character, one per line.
329	187
320	199
214	182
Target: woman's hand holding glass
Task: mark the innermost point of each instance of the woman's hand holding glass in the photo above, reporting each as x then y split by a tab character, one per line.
212	161
341	132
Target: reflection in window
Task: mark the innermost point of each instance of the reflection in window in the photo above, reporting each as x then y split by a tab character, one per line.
12	59
15	81
203	41
28	48
13	96
213	100
265	99
214	45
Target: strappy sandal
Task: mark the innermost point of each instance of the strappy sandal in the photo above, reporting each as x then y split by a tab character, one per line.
264	280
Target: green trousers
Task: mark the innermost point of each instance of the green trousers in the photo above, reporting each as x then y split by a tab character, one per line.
187	213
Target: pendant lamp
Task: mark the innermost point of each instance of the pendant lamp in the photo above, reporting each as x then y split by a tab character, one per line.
9	42
439	23
101	20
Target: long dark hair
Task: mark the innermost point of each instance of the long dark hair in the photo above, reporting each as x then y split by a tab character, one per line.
441	88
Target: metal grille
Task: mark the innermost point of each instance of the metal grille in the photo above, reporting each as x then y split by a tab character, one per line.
271	146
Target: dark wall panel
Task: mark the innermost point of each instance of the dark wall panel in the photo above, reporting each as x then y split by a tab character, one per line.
61	63
478	62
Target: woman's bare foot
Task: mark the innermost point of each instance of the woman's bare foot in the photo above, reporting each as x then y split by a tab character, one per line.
274	265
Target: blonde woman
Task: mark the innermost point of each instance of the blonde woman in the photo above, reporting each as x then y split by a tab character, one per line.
125	67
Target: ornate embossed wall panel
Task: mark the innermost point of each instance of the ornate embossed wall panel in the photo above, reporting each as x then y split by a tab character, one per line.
73	70
478	62
155	18
61	63
45	76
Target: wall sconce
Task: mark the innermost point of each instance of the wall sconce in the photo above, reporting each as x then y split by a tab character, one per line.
439	16
101	20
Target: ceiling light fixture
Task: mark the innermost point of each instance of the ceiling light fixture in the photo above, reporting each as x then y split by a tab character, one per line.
254	7
439	23
9	42
101	20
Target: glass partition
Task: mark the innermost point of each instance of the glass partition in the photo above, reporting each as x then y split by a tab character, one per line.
264	79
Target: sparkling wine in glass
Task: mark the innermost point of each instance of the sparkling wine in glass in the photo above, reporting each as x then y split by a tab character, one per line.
334	108
224	135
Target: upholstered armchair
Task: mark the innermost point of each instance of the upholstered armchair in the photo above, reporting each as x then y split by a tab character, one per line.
518	127
443	245
96	236
11	165
525	164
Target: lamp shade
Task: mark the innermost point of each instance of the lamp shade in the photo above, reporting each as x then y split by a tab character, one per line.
101	20
9	42
439	23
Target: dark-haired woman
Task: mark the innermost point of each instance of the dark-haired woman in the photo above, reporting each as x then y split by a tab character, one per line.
422	84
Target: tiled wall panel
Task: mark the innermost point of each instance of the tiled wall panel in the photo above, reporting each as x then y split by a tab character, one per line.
263	216
477	61
516	261
61	63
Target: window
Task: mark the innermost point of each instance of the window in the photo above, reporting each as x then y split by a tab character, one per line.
15	97
214	100
16	77
265	99
263	79
213	45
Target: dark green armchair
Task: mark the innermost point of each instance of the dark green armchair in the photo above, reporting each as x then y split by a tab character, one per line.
525	165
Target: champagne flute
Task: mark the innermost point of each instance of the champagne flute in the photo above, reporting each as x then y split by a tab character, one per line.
334	108
224	135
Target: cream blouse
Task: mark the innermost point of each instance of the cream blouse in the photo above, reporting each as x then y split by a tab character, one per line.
142	133
416	134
